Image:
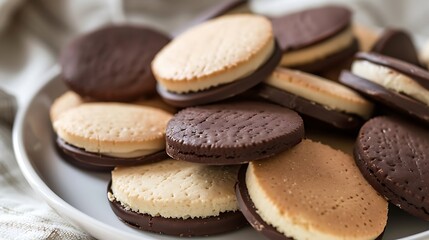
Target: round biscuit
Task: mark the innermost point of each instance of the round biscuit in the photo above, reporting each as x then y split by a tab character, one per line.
315	192
176	189
113	127
216	52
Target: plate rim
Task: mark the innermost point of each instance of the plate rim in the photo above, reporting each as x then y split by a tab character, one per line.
94	227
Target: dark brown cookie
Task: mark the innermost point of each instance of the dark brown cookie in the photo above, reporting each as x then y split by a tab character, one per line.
112	63
232	132
309	108
393	155
223	91
397	44
391	99
225	222
98	162
418	74
305	28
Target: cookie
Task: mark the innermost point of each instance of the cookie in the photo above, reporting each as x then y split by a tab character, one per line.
177	198
315	39
232	132
105	135
216	60
392	154
310	192
366	38
66	101
397	44
319	98
397	84
112	63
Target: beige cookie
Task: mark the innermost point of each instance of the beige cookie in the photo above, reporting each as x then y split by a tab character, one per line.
63	103
391	79
114	129
316	192
330	94
216	52
176	189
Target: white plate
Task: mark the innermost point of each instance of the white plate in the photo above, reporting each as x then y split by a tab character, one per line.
80	196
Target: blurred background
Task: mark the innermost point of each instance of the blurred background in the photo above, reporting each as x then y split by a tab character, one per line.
33	32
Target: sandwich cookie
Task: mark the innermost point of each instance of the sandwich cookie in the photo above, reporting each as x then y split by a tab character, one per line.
310	192
113	63
99	136
70	100
391	82
316	39
176	198
216	60
232	132
366	38
316	97
393	155
66	101
397	44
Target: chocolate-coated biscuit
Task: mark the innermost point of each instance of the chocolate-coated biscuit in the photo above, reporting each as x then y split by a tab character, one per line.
302	29
392	154
393	100
397	44
232	132
112	63
309	108
225	222
99	162
416	73
223	91
331	60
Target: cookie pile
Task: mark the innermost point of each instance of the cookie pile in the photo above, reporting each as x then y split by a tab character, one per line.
236	153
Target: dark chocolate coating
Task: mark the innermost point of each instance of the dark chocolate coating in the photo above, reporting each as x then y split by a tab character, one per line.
317	111
418	74
223	91
232	132
248	209
397	44
113	63
225	222
331	61
391	99
99	162
305	28
393	156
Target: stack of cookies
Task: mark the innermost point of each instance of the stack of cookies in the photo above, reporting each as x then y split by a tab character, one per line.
235	154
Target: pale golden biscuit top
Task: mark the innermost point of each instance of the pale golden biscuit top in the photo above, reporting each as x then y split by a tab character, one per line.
63	103
391	79
216	52
176	189
330	94
114	128
315	192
